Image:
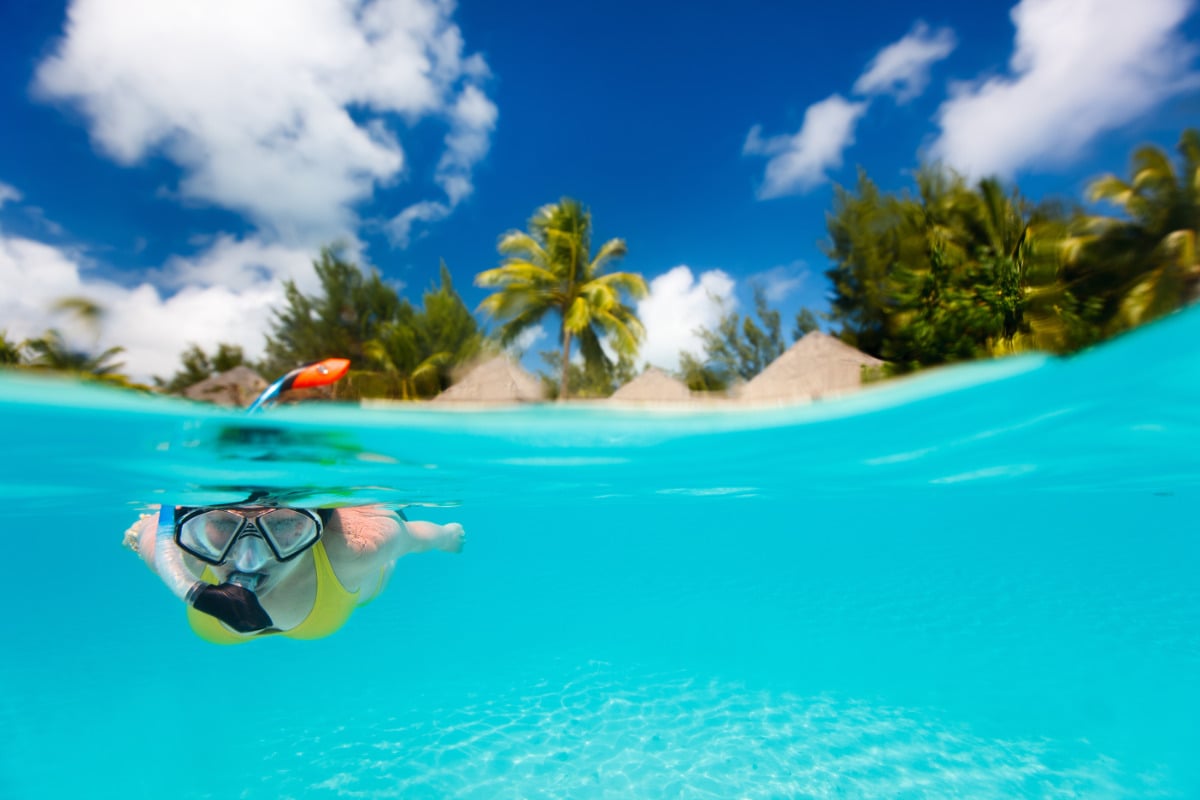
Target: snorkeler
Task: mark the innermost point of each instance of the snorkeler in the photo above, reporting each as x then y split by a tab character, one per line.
263	567
250	570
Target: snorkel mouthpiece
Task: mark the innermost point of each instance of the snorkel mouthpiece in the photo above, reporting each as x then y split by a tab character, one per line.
247	581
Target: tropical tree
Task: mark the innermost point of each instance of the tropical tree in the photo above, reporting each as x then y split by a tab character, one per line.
51	352
11	353
740	348
701	376
197	365
806	323
595	379
1144	263
416	349
550	269
85	310
339	320
955	272
448	326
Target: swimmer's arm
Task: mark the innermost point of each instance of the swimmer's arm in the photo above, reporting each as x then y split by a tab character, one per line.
141	538
422	536
375	534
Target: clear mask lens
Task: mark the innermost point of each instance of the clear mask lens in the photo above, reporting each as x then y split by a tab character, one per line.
289	530
209	535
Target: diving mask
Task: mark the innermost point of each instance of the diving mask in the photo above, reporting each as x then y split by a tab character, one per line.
210	534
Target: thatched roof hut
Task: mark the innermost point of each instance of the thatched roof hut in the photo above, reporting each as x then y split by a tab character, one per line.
236	387
500	380
653	386
815	366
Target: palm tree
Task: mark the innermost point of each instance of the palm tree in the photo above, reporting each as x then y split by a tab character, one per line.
398	352
1146	259
85	310
51	352
551	268
11	353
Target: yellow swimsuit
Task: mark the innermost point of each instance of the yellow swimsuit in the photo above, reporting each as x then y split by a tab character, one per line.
332	606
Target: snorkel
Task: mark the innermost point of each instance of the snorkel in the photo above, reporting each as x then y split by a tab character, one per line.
233	602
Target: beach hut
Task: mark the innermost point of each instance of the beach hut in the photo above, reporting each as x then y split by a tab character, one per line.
236	387
499	380
653	386
815	366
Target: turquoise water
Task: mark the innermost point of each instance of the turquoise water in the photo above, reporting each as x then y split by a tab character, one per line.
982	583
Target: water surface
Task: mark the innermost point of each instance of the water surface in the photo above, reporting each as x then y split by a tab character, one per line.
980	583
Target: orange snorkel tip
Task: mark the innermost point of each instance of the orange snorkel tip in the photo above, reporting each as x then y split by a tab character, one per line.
321	373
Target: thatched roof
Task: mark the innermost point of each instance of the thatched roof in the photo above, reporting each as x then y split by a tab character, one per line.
816	365
499	380
236	387
653	385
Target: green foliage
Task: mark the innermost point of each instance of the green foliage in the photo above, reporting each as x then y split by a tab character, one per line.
12	353
339	320
701	377
51	352
395	350
593	379
87	311
417	349
550	268
955	272
196	365
740	348
1142	264
806	323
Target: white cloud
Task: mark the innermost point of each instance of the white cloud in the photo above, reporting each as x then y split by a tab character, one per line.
780	282
239	265
254	101
473	118
400	228
902	68
1079	68
799	162
527	339
676	306
152	327
8	194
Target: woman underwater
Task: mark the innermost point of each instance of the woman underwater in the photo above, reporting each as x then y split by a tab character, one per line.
261	567
250	570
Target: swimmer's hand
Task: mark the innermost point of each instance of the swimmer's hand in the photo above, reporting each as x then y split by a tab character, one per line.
234	605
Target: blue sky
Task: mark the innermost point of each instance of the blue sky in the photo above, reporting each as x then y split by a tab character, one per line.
176	160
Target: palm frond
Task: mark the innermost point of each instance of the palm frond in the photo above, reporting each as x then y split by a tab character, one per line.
1110	188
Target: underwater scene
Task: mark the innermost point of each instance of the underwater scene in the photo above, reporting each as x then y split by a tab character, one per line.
981	582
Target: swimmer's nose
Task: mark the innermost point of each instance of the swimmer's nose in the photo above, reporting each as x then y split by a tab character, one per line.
250	553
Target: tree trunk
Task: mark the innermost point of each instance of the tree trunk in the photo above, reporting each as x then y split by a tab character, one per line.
566	364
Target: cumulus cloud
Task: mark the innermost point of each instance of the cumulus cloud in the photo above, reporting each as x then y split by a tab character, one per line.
240	264
153	327
799	162
678	304
281	111
902	68
473	118
1079	68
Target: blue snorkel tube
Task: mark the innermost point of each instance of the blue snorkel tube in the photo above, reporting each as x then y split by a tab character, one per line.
168	559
